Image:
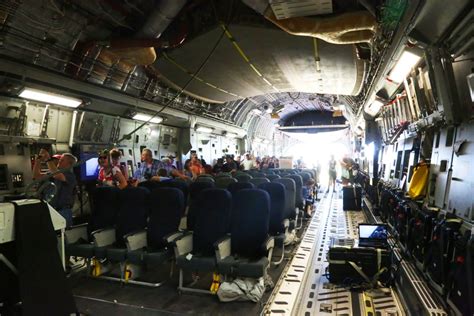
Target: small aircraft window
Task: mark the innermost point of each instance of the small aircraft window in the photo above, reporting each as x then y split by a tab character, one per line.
137	139
450	137
443	165
438	136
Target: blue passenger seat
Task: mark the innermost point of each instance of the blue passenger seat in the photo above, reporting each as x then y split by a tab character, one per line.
258	181
237	186
248	251
195	251
103	215
151	246
195	190
224	182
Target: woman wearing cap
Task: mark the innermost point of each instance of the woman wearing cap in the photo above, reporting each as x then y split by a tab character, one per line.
110	175
115	156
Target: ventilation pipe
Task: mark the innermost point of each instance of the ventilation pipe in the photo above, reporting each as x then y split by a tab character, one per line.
346	28
124	55
160	18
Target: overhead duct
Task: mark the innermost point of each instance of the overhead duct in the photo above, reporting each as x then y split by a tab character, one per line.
160	18
125	54
346	28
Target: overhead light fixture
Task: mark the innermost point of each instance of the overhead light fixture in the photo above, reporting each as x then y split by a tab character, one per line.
145	118
402	68
257	140
48	97
266	141
256	111
204	129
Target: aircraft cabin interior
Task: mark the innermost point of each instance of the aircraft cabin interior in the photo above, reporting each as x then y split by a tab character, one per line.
237	157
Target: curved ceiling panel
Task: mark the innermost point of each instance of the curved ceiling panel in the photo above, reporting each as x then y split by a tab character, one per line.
286	61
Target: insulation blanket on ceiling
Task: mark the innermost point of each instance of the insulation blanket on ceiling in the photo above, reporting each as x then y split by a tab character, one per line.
44	288
245	289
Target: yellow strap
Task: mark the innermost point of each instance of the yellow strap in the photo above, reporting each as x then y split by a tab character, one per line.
368	308
190	73
454	220
245	57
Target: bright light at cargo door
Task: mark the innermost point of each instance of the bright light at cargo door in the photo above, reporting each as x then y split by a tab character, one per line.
318	148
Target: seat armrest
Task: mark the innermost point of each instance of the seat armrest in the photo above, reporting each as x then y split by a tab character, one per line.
269	243
286	223
75	233
223	247
104	237
136	240
171	238
183	244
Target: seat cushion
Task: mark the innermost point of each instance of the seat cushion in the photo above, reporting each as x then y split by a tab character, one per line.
80	250
157	258
100	252
196	263
136	256
116	254
243	267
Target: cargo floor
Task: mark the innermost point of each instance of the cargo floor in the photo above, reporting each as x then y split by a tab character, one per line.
314	295
102	297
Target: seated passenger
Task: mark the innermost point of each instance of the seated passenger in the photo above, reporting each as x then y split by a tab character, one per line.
65	181
308	190
110	175
148	170
171	170
218	166
195	166
230	165
248	163
163	175
115	156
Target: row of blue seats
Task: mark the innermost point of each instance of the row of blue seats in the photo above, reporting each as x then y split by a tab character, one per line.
213	214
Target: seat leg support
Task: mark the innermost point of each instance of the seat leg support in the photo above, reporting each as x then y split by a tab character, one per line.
182	288
276	263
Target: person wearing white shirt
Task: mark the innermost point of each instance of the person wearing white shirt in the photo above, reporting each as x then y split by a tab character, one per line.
248	163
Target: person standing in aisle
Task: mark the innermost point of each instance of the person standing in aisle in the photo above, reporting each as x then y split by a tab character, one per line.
332	174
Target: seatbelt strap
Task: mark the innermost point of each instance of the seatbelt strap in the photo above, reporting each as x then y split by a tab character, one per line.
359	270
379	258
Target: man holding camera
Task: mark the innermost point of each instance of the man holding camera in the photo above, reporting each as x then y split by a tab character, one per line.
65	181
148	170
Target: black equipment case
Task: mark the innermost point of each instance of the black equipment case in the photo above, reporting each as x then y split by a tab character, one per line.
345	265
352	198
